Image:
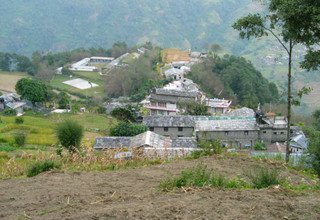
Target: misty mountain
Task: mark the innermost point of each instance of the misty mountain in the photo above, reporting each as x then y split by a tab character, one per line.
55	25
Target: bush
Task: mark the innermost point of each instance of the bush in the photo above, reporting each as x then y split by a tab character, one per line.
263	178
207	148
9	112
7	148
260	146
314	150
200	176
41	167
127	129
19	120
20	138
69	134
123	114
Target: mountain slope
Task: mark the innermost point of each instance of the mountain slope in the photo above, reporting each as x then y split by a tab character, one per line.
32	25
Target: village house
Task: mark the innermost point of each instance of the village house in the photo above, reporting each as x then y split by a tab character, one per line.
272	128
148	144
241	133
165	101
173	126
12	101
218	106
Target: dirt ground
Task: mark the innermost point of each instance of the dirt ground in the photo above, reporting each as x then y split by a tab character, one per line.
8	81
134	194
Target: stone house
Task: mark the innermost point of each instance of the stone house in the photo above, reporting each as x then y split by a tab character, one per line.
217	106
164	101
173	126
12	101
272	128
147	144
241	133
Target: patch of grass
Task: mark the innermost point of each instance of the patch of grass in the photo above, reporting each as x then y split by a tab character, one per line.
200	176
42	166
264	177
7	148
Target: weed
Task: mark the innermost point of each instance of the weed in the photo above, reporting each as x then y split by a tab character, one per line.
200	176
41	166
20	138
7	148
263	178
18	120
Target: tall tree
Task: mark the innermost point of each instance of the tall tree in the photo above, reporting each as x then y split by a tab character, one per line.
285	22
32	90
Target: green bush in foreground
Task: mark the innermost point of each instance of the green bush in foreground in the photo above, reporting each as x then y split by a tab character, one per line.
200	176
264	177
19	120
70	134
41	167
20	138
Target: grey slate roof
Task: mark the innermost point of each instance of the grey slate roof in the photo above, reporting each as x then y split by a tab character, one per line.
178	93
150	139
112	142
184	142
226	125
169	121
299	141
242	112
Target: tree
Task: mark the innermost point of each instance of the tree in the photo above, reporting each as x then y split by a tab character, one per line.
193	108
32	90
123	114
301	20
65	71
314	150
69	134
127	129
316	118
63	100
284	23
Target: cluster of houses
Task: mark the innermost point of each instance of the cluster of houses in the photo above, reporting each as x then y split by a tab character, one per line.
89	64
13	101
239	129
165	101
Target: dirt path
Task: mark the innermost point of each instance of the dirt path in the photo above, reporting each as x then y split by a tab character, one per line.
133	194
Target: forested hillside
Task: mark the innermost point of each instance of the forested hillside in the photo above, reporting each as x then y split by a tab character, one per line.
27	26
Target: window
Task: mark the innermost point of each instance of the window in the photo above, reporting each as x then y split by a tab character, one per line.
282	132
165	129
180	136
274	132
264	132
162	104
180	128
151	128
246	132
226	133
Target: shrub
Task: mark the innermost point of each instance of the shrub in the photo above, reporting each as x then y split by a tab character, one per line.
19	120
69	134
7	148
127	129
9	112
207	148
123	114
20	138
260	146
40	167
314	150
263	178
200	176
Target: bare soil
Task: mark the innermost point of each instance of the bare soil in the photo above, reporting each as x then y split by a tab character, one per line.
134	194
8	81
